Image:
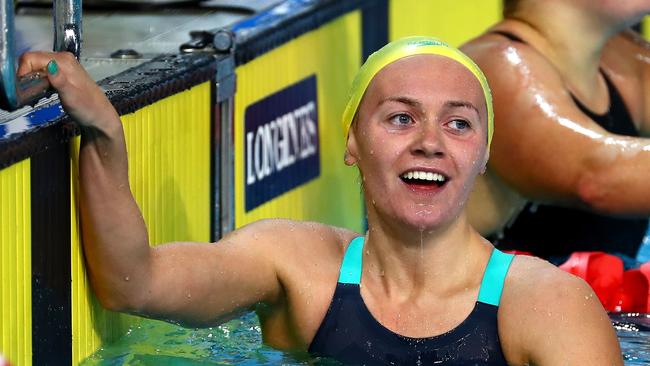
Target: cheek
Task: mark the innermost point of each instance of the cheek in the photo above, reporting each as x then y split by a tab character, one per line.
470	159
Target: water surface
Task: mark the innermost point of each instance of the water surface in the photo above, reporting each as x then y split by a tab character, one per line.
239	342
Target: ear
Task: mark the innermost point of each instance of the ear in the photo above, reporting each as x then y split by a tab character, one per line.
351	156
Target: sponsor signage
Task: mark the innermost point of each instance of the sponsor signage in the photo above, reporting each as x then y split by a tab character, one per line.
281	142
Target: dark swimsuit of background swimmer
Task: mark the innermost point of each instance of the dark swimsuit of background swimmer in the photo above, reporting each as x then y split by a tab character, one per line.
551	231
350	334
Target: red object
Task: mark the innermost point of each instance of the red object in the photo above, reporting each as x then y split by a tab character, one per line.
645	270
632	296
603	272
518	252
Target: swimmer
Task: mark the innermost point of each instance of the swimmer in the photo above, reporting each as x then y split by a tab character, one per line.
569	166
420	287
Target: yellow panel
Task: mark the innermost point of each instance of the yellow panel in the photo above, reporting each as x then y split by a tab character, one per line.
645	27
168	144
333	53
453	21
16	264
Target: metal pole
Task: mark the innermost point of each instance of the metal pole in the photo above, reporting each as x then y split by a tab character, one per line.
67	26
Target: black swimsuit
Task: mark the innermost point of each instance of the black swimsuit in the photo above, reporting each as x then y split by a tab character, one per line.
552	231
351	335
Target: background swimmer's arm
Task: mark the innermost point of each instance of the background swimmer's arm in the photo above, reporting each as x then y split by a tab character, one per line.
547	149
190	283
548	317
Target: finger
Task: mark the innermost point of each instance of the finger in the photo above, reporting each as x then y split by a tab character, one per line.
33	61
58	80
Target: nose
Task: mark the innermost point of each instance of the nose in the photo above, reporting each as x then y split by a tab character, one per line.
428	141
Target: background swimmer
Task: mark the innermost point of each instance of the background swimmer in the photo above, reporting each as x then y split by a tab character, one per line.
569	168
413	275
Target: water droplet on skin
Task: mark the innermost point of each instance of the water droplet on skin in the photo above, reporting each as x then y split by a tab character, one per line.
189	296
421	245
127	278
373	202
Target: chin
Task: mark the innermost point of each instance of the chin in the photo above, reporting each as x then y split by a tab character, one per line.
427	220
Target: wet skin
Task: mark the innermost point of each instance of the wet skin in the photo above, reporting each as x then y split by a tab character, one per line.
421	273
419	120
545	148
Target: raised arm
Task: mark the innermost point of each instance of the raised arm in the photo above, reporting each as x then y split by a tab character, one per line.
547	149
187	282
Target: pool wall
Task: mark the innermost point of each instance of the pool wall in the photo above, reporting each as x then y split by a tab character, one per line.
49	314
331	192
215	141
177	111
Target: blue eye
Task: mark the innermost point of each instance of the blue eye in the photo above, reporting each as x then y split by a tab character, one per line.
459	124
401	119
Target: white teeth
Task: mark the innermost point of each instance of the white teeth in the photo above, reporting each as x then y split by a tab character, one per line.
428	176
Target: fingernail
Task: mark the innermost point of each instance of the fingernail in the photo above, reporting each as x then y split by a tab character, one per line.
52	67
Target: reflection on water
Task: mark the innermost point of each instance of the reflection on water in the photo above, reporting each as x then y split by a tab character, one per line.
634	334
239	342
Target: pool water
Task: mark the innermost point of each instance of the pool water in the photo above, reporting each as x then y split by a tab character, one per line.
239	342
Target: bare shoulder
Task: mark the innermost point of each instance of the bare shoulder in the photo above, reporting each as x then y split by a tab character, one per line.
631	45
505	61
290	238
548	316
534	281
626	58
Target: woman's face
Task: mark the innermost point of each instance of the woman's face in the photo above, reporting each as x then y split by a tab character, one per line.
420	141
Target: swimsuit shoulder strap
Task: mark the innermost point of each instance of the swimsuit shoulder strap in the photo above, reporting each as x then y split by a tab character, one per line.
351	265
494	277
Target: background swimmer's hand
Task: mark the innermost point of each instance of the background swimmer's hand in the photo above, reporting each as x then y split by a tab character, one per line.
80	96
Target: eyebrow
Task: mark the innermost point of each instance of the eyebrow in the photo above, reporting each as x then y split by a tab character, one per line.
416	103
404	100
461	104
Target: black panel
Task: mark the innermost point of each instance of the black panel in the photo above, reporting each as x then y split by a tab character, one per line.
51	277
374	23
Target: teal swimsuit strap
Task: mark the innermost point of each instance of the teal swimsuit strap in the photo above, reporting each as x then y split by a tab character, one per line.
351	266
491	287
494	277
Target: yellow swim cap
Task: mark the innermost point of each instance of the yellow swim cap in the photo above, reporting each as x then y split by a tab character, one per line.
408	47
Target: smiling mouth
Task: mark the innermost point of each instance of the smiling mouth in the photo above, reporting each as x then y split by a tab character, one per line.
422	178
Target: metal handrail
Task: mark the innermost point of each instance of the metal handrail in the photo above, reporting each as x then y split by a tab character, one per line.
16	92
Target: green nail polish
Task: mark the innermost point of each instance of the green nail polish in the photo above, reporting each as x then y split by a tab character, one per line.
52	67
